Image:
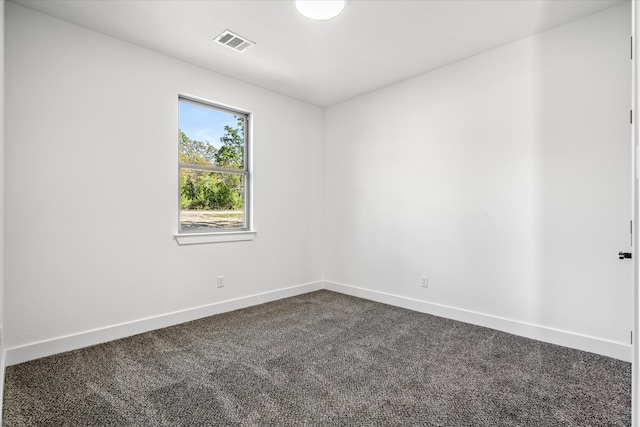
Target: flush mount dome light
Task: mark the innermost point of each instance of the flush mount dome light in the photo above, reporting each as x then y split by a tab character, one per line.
320	9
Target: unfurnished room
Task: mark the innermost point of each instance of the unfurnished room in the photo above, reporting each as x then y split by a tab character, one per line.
319	213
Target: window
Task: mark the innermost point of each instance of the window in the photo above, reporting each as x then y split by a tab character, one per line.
213	168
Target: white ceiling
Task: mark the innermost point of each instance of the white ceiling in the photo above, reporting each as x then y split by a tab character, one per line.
372	44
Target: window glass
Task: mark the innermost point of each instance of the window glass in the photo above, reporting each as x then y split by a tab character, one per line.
213	171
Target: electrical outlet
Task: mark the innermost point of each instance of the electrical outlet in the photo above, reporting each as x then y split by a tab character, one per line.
425	282
221	281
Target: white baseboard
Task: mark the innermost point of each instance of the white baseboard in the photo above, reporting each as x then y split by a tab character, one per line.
61	344
15	355
2	365
617	350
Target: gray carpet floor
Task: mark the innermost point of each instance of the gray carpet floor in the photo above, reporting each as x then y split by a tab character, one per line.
320	359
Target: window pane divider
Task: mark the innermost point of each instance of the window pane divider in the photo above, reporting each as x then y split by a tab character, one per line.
213	169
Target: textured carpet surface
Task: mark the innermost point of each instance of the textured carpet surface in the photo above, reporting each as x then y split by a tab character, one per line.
320	359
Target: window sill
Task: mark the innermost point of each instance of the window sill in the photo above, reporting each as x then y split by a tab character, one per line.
203	238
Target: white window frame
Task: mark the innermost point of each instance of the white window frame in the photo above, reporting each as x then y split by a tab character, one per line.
245	233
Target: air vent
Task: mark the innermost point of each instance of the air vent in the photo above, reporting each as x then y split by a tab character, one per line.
234	41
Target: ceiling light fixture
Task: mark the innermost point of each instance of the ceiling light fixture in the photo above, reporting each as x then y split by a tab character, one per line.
320	10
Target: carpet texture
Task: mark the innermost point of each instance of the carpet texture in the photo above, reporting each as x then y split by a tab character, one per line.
320	359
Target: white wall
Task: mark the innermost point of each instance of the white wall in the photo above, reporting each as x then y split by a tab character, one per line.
504	177
635	363
2	168
92	187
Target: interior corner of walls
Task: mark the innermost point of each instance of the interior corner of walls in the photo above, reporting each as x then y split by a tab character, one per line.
604	347
44	348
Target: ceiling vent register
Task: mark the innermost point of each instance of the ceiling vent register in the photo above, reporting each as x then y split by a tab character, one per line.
234	41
